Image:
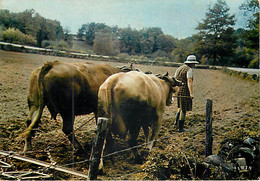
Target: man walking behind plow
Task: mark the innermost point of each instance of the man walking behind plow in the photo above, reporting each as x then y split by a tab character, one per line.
185	93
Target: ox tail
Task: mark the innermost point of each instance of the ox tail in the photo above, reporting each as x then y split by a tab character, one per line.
109	95
105	102
41	89
117	123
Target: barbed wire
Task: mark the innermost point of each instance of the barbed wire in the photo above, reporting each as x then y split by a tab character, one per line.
47	151
127	149
110	154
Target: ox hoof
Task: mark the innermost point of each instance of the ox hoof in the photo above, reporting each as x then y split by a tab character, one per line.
80	152
183	130
101	171
145	152
138	160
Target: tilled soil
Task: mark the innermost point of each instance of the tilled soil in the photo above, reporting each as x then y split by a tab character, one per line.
235	116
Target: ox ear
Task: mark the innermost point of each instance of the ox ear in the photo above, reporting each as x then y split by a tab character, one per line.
165	76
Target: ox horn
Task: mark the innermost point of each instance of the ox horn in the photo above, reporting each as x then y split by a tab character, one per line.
166	74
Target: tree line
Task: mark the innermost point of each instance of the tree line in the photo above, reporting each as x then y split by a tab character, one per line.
215	43
30	28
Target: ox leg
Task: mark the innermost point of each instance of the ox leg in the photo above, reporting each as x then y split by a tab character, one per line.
156	127
132	142
146	134
67	128
32	115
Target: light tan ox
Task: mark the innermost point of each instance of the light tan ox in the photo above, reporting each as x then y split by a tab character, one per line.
133	100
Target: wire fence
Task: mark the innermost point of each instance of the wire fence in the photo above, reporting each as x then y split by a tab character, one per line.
48	151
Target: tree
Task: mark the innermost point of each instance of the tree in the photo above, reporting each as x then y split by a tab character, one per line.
247	52
251	10
215	37
81	31
32	25
184	47
105	44
129	41
92	29
148	40
165	43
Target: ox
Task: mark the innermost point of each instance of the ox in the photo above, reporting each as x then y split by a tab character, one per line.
133	100
68	89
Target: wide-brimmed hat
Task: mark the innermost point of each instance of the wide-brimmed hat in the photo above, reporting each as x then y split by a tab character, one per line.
191	59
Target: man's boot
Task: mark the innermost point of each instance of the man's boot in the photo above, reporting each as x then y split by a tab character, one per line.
181	124
177	118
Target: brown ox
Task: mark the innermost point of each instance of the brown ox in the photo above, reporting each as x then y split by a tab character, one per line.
68	89
133	100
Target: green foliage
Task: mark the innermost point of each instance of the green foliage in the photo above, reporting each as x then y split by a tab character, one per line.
215	38
2	29
254	63
248	52
57	45
105	45
129	41
133	42
250	9
184	48
15	36
90	30
165	43
32	24
243	56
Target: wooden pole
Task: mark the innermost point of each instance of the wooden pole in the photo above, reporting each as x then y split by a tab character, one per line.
97	147
42	163
209	138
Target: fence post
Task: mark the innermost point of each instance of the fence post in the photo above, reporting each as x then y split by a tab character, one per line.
97	147
209	138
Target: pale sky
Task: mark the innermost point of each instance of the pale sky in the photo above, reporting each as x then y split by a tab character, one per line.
178	18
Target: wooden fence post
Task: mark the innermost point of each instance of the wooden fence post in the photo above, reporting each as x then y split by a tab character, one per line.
97	147
209	138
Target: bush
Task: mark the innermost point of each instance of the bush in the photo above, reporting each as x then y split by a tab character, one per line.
12	35
46	43
162	59
204	60
58	45
160	53
254	63
2	29
28	40
63	45
123	57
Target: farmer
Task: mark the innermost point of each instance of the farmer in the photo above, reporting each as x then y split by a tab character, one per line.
185	95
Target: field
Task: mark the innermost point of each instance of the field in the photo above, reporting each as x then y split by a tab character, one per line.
235	116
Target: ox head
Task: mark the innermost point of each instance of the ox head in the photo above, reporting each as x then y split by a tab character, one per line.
173	84
171	80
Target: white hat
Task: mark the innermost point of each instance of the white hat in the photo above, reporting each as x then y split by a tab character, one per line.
191	59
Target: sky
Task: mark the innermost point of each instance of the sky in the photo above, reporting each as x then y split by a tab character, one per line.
178	18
